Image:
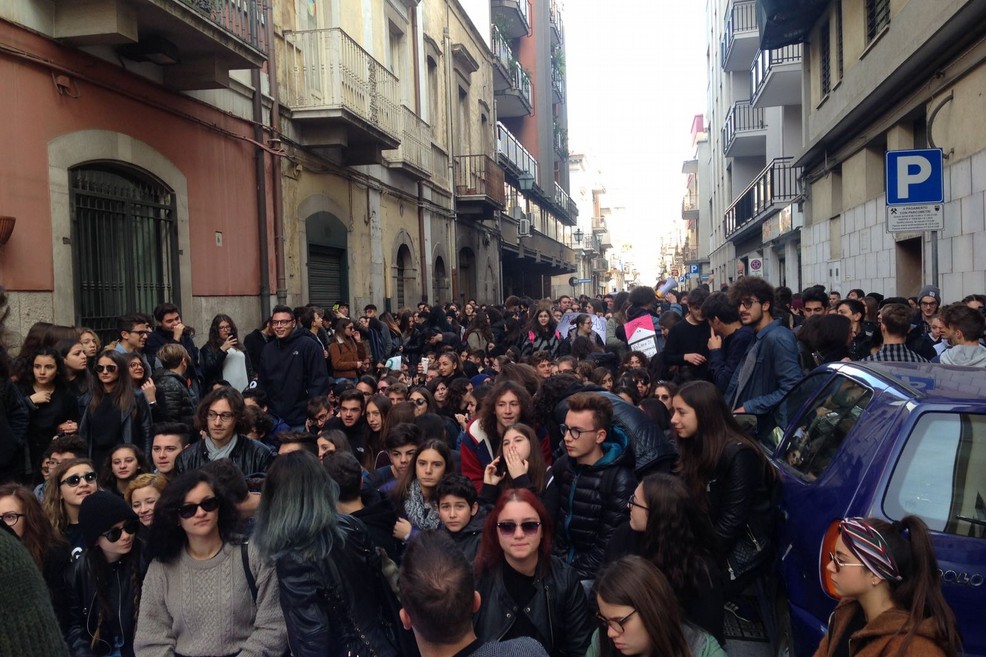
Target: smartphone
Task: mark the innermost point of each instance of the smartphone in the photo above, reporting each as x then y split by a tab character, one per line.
424	365
501	467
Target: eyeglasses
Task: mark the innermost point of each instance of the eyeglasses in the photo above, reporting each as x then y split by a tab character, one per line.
106	368
114	534
10	518
208	505
509	528
615	624
225	417
136	365
75	479
382	389
576	433
419	401
748	303
633	502
929	303
281	322
840	564
140	332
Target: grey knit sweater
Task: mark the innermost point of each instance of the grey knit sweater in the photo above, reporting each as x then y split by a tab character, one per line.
194	607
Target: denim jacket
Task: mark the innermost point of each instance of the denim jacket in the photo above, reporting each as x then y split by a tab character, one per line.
775	372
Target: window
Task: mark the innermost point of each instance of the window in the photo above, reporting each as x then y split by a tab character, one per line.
941	475
877	17
840	60
125	244
824	424
825	55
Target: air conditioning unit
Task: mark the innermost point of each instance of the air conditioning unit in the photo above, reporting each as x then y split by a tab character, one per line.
524	227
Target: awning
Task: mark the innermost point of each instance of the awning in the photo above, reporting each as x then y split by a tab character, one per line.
784	22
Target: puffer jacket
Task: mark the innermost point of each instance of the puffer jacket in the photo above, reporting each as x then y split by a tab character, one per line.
559	609
338	606
589	502
292	371
175	400
881	637
536	341
81	616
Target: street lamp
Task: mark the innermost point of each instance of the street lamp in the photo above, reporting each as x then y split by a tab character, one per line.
578	235
526	181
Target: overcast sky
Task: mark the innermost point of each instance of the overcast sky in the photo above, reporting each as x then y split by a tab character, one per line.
636	74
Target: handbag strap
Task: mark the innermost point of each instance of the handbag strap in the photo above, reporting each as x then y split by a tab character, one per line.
251	580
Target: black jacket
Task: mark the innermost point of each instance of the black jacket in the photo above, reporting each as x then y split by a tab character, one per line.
212	365
159	337
250	456
135	428
254	344
589	502
337	606
467	539
740	497
380	516
292	371
175	400
81	616
559	609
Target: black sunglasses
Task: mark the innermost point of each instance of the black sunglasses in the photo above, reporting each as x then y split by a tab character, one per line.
208	505
419	401
106	368
114	534
508	528
75	479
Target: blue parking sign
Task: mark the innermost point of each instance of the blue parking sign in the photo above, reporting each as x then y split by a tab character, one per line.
915	177
693	269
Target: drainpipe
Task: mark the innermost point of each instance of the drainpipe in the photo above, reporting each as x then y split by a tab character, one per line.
422	247
450	135
277	190
260	159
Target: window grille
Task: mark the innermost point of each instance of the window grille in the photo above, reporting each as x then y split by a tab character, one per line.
877	17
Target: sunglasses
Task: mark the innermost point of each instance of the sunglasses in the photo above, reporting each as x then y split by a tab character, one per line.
75	479
419	401
106	368
509	528
114	534
208	505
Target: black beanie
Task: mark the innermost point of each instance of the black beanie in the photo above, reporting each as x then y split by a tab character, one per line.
99	512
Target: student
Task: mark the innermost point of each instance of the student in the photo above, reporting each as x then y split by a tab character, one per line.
168	442
458	508
401	443
892	604
374	510
963	327
414	496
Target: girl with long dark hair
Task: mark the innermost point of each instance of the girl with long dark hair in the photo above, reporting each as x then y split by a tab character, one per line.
542	334
667	529
519	464
726	473
414	495
223	359
103	585
22	513
122	465
639	616
116	412
347	357
526	591
205	593
377	409
479	333
52	409
76	369
332	592
892	605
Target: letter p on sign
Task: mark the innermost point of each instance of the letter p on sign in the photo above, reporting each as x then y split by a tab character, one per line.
914	177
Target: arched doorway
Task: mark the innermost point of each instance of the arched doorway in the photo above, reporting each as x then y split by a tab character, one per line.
467	273
405	278
125	237
328	269
440	291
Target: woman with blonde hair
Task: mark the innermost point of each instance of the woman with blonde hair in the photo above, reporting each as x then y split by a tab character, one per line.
142	495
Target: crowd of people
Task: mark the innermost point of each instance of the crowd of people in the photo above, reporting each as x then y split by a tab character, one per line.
567	477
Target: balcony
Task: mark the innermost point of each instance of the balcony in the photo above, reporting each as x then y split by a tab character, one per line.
513	91
512	155
600	264
604	239
503	58
478	185
740	38
414	154
776	187
565	203
558	84
775	77
689	206
343	100
744	133
557	25
439	166
196	42
514	16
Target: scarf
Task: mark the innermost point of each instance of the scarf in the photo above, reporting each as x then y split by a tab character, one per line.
419	513
216	453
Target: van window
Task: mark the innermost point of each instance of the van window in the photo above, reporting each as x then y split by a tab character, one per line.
825	423
941	474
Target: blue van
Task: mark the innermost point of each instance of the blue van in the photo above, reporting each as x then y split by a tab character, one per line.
883	440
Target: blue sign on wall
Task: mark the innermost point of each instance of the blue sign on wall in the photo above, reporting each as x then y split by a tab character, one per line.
915	177
693	269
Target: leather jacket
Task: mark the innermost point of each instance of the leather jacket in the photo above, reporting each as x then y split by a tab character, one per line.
250	456
739	496
559	609
339	607
81	616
